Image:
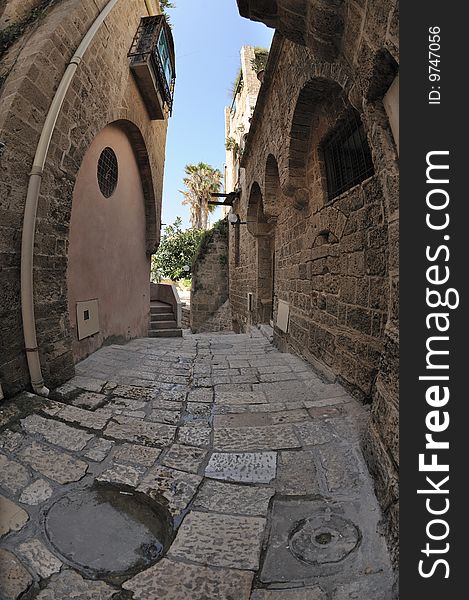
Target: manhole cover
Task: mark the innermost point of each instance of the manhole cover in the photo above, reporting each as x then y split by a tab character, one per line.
108	531
323	538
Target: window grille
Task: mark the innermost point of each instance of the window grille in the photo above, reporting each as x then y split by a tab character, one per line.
108	172
347	156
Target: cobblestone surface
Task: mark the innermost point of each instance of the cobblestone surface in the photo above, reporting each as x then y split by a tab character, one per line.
220	429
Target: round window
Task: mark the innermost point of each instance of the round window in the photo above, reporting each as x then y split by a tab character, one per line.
108	172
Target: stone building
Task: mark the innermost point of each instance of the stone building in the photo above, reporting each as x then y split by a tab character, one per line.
85	93
238	116
314	251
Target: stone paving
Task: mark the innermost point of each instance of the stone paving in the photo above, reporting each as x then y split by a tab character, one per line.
255	458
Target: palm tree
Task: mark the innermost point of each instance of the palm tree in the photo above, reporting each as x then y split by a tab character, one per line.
201	181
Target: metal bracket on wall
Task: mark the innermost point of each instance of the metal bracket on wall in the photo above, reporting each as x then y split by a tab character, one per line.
228	201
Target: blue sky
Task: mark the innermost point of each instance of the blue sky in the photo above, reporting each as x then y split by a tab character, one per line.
208	35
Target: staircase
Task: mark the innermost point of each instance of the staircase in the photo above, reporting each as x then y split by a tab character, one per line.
162	321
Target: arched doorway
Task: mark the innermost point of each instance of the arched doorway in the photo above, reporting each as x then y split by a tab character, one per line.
264	230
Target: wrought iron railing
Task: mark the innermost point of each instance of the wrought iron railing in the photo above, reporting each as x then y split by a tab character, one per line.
145	49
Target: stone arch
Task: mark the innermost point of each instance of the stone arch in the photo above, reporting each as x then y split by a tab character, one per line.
108	262
141	154
316	96
257	221
264	231
314	23
272	191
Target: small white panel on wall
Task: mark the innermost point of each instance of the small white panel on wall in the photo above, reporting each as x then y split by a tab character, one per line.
283	315
87	318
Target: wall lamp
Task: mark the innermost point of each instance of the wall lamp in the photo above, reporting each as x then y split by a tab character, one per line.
235	219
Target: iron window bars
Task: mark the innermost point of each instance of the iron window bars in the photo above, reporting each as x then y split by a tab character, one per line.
347	156
108	172
153	46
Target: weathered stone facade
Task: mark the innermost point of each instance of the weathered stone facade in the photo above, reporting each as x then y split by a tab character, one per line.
210	306
334	261
102	92
238	117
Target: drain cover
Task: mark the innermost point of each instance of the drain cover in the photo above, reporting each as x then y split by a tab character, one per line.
323	538
108	531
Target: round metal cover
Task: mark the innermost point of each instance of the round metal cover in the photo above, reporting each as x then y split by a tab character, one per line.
108	531
323	538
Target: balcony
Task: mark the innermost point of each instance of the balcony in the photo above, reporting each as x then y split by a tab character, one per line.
152	62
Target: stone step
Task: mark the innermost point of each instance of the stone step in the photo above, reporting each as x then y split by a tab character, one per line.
163	316
165	333
155	310
156	325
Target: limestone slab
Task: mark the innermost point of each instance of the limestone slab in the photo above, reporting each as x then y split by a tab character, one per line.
124	474
55	465
134	392
260	418
128	403
195	435
85	418
184	458
135	430
89	400
89	384
377	586
161	403
14	578
271	437
230	498
10	440
62	584
202	394
239	397
296	473
135	454
161	415
219	540
56	433
36	492
12	516
341	468
199	409
314	432
177	487
171	580
13	476
43	562
247	467
310	593
98	449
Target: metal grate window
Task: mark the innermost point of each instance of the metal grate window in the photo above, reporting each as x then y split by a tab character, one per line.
108	172
347	156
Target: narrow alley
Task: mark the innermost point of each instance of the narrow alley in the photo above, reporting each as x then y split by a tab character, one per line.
250	459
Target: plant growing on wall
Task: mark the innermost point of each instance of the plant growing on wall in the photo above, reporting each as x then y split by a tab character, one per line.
176	251
165	5
259	61
237	83
202	180
231	144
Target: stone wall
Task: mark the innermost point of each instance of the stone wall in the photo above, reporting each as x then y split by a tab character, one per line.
14	11
209	294
333	260
102	92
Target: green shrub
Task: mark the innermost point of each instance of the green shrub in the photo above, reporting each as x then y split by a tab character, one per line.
176	250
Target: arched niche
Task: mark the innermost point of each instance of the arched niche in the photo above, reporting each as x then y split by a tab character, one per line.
272	191
112	228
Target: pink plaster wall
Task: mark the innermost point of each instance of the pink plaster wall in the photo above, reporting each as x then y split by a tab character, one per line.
107	258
